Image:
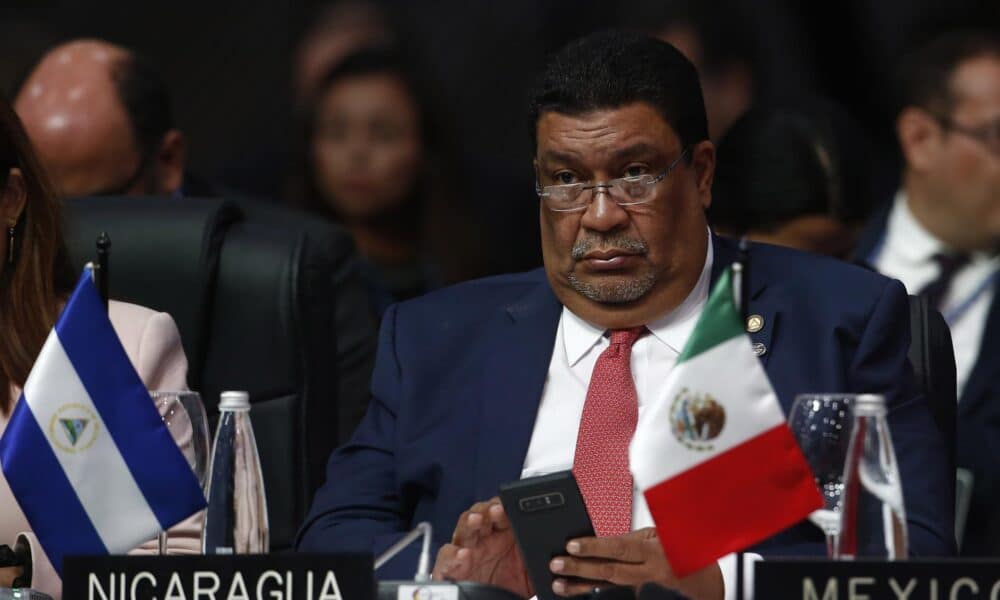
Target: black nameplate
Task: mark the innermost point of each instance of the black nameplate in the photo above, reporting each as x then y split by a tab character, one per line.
239	577
916	579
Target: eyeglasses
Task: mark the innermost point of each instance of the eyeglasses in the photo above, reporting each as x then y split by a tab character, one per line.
625	191
988	135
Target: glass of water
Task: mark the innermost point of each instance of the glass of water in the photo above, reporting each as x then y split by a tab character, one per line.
184	415
821	424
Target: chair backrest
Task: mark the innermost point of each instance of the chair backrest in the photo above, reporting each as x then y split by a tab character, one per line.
255	303
164	254
933	358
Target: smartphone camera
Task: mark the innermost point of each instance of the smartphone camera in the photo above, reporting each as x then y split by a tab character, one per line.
542	502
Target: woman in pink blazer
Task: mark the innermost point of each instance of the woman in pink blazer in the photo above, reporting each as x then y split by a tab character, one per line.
35	281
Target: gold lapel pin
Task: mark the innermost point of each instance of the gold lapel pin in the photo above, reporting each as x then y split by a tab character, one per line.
755	323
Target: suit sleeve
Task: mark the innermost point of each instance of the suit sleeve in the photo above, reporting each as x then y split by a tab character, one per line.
359	507
881	366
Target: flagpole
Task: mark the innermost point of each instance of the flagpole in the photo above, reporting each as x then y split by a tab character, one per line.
101	280
740	269
739	576
739	291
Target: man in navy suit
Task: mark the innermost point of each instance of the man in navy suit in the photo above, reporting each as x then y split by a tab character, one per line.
497	379
940	236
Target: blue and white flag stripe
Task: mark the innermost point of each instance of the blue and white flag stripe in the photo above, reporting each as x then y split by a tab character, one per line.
51	494
86	452
124	405
115	505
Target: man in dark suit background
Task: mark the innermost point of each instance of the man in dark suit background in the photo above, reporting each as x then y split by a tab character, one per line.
941	237
506	377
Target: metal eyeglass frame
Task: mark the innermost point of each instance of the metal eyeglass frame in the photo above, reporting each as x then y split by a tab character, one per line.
647	181
988	135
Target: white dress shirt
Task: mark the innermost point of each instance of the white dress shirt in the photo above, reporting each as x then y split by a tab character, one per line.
907	255
578	344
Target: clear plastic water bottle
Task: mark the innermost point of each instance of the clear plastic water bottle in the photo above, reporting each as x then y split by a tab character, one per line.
873	520
236	517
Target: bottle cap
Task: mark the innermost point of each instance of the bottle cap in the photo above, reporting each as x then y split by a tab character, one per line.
868	405
234	401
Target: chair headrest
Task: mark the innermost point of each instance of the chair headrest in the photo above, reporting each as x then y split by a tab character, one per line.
140	271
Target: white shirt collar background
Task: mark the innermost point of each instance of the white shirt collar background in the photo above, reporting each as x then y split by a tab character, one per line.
907	255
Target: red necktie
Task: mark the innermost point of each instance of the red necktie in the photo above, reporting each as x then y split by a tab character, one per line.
609	417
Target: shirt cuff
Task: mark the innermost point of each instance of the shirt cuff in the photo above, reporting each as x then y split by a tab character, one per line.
727	564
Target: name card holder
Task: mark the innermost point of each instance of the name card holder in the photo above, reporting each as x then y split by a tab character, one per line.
933	579
235	577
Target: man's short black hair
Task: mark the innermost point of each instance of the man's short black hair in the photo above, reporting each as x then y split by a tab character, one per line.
612	69
146	99
924	75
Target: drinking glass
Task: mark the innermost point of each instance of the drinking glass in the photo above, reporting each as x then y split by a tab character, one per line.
821	424
184	415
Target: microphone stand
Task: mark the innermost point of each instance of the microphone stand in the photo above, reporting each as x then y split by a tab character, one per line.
390	590
423	573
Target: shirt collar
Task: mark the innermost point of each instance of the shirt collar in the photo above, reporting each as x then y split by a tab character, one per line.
914	243
672	329
907	237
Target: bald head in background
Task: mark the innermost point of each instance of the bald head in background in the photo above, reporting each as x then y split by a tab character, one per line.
99	118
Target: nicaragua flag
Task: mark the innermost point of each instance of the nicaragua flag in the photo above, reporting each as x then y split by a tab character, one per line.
86	453
717	464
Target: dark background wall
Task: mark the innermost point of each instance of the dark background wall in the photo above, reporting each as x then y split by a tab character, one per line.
228	66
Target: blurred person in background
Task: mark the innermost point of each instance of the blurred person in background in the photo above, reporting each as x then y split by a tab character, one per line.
940	236
329	32
717	39
787	176
100	118
336	30
372	161
36	281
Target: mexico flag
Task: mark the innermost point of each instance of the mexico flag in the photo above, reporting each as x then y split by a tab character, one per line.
718	466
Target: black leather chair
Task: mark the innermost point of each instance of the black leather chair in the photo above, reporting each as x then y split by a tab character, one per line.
266	300
933	358
164	255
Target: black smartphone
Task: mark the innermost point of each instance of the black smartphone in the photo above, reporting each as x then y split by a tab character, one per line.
545	513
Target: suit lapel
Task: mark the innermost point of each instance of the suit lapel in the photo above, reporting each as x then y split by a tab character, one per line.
725	253
986	371
872	236
515	373
512	386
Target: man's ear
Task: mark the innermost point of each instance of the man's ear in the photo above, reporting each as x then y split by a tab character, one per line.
14	197
919	136
171	161
703	164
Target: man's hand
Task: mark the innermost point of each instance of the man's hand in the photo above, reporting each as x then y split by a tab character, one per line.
631	560
483	549
9	574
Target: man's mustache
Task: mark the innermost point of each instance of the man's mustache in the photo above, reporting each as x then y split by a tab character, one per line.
608	242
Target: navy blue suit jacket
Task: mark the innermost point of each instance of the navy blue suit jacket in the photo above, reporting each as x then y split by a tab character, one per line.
978	419
460	372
